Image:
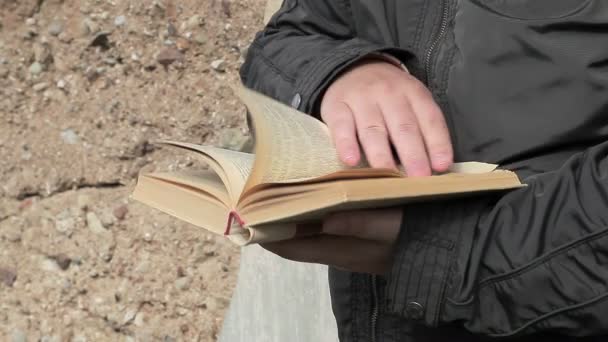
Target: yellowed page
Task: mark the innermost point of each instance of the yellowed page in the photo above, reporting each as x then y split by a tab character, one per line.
232	166
183	202
276	205
202	180
290	146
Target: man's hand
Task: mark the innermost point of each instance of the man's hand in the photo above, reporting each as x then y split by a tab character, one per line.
360	241
376	104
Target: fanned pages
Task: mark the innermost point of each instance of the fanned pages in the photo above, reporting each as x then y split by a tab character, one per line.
294	177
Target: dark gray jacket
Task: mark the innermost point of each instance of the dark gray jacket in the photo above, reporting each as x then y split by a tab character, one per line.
523	84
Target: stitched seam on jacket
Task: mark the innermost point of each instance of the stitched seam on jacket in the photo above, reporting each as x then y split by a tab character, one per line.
317	64
353	307
553	313
444	280
491	281
258	47
432	240
336	54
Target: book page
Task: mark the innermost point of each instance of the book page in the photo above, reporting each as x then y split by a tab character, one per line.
314	201
232	166
290	146
190	204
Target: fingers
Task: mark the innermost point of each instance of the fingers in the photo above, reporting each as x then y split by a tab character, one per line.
374	106
406	135
433	128
376	225
343	252
373	134
342	127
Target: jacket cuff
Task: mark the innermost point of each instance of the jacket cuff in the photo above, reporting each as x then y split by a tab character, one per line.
324	70
431	236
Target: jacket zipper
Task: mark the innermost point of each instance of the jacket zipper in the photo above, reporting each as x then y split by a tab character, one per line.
438	37
427	68
374	311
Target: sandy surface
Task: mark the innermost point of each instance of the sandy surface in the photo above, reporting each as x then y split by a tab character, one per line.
85	88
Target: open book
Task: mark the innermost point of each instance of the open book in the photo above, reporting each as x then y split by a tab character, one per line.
294	177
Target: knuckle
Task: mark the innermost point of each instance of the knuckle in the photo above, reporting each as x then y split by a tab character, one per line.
407	128
375	129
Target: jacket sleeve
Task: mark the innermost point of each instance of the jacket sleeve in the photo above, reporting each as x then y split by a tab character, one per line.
302	49
535	259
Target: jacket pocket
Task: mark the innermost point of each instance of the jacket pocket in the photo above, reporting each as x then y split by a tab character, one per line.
533	9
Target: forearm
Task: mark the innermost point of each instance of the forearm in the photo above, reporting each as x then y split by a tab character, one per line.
532	260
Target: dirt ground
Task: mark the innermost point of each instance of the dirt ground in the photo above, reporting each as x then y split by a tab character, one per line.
86	86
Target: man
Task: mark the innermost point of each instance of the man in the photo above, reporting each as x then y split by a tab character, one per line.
517	83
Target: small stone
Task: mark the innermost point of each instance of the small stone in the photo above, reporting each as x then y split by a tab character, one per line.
64	38
95	224
168	56
139	319
30	34
182	284
30	22
43	54
35	68
182	44
63	261
7	277
3	72
148	237
200	38
61	84
49	265
194	22
40	86
89	27
65	223
218	65
69	137
121	20
18	336
55	28
129	316
110	61
202	253
121	212
107	218
91	74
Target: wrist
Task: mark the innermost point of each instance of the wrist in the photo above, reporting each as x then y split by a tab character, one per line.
385	57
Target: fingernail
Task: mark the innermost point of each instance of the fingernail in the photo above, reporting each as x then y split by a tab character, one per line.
350	160
441	162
